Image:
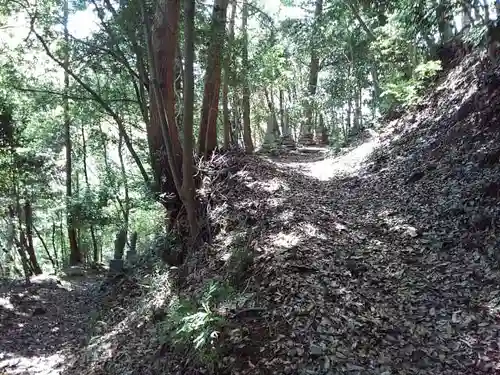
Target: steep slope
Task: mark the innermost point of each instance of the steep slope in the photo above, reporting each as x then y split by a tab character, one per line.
385	264
389	268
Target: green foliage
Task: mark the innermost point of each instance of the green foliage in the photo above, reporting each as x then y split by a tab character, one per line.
406	92
194	326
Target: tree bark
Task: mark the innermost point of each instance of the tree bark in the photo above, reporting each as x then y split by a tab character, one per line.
188	186
162	52
225	104
28	222
247	132
75	254
54	248
162	131
233	127
282	113
87	184
207	140
313	71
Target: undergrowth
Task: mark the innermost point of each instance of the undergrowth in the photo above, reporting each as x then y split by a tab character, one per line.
194	326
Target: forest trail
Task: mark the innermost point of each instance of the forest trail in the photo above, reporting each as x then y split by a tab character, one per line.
370	263
41	325
371	268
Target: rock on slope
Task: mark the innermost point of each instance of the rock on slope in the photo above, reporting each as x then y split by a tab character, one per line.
390	269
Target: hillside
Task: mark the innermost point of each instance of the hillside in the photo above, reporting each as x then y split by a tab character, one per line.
382	260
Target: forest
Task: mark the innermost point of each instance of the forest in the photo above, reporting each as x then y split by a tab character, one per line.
249	186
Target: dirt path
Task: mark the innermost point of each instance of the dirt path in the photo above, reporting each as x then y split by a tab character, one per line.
42	324
365	272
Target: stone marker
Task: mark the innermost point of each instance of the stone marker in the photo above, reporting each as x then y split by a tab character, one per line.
131	255
116	265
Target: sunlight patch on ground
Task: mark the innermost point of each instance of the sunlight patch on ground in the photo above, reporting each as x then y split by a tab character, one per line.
275	202
286	240
346	164
310	230
36	365
286	216
269	186
5	303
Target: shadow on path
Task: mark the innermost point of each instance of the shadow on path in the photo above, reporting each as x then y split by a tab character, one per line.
42	323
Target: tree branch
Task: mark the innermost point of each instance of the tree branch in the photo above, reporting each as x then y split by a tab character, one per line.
102	102
72	97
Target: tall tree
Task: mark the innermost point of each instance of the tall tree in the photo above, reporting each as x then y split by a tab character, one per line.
163	135
75	256
207	139
307	127
188	186
247	133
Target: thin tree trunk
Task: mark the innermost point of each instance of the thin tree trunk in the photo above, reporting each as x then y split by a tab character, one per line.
188	187
247	132
28	221
126	204
207	139
313	71
95	248
54	248
44	245
179	77
225	105
282	113
18	244
75	255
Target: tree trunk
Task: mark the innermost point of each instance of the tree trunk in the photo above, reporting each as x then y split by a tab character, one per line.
28	221
313	73
45	247
225	105
54	248
179	77
282	113
233	126
75	254
14	242
188	186
247	133
445	20
207	140
227	67
126	203
163	135
95	248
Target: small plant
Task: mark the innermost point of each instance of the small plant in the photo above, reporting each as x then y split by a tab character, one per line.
196	326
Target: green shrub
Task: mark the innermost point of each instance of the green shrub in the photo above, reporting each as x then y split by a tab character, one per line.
194	326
